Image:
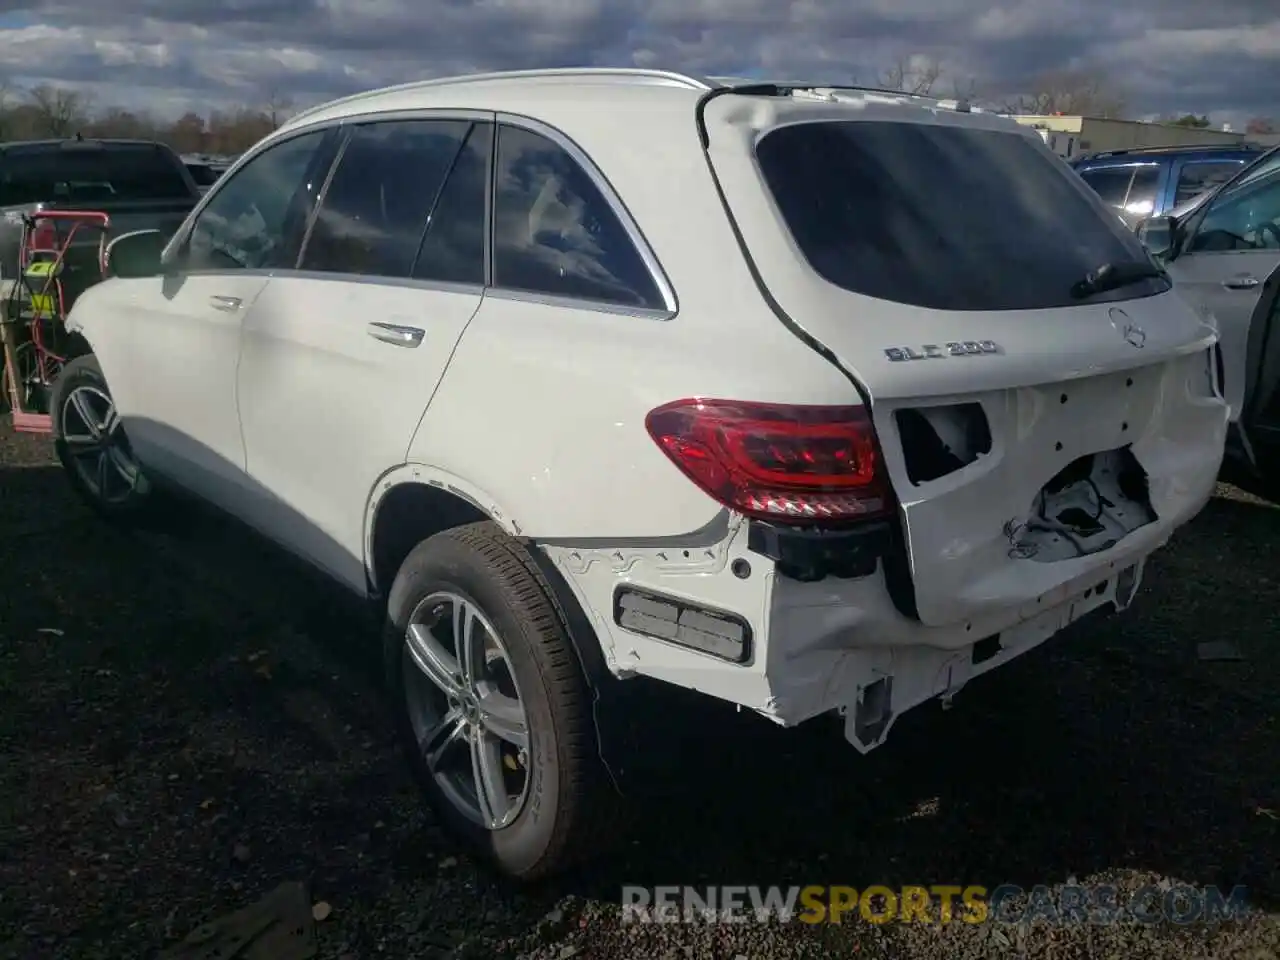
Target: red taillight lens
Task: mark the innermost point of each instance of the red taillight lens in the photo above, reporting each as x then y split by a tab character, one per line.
777	462
44	236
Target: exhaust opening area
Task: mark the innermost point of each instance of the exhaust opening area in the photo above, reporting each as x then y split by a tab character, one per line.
937	441
1087	507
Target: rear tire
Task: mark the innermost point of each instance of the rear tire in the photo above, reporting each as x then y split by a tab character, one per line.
92	446
556	790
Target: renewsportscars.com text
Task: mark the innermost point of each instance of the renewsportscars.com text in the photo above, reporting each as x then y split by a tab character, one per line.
1100	904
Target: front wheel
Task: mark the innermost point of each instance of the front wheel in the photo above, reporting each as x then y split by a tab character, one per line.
491	703
91	442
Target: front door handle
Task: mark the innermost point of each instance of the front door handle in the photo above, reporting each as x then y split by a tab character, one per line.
227	304
1240	283
401	336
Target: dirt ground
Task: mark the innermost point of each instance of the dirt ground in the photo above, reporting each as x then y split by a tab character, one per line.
185	723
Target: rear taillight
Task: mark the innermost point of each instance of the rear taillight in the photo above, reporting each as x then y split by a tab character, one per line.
797	464
44	236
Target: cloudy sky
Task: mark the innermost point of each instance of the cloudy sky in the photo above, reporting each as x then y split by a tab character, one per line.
1220	57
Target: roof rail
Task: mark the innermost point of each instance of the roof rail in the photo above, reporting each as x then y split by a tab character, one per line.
635	74
1241	145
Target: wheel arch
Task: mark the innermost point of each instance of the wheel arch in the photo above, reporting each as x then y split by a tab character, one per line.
410	503
413	502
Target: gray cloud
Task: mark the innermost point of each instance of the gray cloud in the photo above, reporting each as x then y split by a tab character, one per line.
1167	55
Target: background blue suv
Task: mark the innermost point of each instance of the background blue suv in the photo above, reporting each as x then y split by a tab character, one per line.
1151	181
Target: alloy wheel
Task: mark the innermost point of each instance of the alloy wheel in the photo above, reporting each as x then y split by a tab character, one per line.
466	711
97	445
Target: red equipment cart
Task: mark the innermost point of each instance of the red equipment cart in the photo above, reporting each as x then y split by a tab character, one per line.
31	326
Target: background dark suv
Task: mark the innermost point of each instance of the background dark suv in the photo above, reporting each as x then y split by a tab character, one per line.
1151	181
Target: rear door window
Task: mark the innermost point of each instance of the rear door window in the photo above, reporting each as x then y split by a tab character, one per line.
90	173
1110	183
374	212
1197	176
943	217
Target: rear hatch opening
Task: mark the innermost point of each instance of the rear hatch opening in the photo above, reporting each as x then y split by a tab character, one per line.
1087	507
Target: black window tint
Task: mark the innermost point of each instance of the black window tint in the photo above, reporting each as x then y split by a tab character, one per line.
1244	217
945	217
203	175
1197	177
1141	198
453	246
373	212
1110	183
253	219
90	173
554	233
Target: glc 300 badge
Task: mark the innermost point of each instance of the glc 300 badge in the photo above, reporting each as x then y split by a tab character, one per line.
940	351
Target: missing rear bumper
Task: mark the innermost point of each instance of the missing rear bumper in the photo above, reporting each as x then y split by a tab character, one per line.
1089	506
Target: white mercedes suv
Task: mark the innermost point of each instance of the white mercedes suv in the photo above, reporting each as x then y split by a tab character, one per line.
813	399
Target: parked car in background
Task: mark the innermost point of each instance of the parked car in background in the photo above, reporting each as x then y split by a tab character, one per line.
202	173
583	375
1151	181
1255	454
140	184
1220	252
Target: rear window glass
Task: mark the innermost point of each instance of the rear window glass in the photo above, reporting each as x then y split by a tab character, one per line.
92	174
948	218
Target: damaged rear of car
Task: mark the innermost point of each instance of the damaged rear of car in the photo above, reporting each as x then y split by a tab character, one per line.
1042	410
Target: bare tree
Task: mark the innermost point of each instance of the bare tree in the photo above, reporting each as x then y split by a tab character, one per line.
188	133
916	75
49	111
278	108
58	111
1073	92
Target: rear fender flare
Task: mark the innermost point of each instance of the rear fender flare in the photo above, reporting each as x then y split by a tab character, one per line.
440	478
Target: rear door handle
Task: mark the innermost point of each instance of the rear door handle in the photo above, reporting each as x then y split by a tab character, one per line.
394	333
1240	283
227	304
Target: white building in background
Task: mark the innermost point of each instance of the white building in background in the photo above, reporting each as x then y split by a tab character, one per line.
1071	137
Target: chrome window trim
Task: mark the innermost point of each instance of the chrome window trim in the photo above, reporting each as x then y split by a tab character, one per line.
640	243
671	305
273	140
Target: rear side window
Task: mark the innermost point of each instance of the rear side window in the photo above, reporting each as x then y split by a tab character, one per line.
374	211
1141	199
555	233
90	173
1109	183
948	218
1198	176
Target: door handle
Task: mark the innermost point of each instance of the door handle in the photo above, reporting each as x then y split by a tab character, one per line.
394	333
227	304
1240	283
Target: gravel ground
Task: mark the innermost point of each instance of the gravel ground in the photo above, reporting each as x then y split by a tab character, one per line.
186	723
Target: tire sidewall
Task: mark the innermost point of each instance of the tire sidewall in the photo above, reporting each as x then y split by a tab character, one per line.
450	566
85	371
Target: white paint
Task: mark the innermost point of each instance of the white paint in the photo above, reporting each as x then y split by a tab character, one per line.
291	416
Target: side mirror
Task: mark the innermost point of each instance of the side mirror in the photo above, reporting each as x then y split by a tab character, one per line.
136	254
1157	235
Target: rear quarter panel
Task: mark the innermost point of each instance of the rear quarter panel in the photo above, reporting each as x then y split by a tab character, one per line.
542	409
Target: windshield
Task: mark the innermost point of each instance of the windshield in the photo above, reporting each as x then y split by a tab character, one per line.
943	217
96	173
